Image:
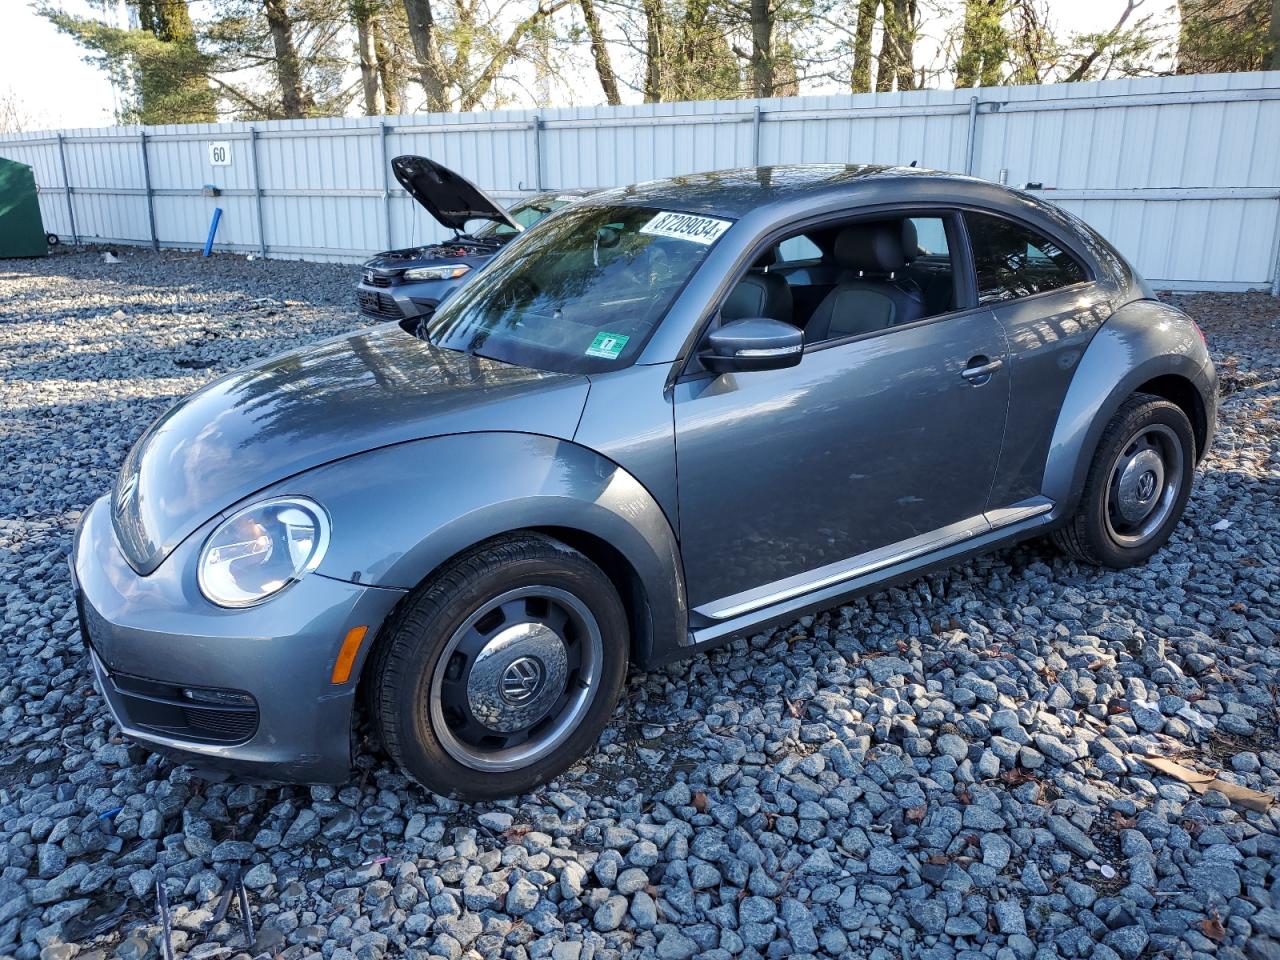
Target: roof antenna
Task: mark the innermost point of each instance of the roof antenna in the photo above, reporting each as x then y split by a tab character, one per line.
913	163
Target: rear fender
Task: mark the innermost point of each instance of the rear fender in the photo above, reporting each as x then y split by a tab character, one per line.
1142	340
400	512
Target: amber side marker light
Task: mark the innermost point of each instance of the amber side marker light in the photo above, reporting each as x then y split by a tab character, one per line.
347	655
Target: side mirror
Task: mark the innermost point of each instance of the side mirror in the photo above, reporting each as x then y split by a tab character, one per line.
756	343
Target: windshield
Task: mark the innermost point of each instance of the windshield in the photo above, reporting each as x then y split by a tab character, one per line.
580	294
526	213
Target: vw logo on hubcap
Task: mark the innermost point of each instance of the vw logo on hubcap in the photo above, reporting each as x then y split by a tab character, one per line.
521	680
1146	485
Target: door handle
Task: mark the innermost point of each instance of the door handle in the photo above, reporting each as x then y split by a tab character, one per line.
979	369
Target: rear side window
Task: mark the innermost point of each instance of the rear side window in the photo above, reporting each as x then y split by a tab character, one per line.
1013	261
798	249
931	237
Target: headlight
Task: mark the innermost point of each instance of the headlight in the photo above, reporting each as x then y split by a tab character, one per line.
437	273
260	550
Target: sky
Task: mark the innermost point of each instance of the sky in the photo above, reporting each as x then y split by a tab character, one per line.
45	69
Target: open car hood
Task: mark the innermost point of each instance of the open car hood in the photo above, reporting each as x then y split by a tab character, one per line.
450	198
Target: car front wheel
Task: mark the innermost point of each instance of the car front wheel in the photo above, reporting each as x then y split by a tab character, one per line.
1137	485
502	670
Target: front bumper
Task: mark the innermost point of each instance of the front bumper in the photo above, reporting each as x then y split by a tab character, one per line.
247	691
402	300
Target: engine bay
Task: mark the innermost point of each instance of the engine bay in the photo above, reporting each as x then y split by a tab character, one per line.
451	249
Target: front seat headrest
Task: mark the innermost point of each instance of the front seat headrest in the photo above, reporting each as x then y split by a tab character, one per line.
871	247
758	295
910	241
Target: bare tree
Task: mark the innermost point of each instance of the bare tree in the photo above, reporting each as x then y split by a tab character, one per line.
362	19
426	44
600	53
14	116
761	48
984	44
1273	34
657	40
1104	41
295	100
391	76
860	78
887	58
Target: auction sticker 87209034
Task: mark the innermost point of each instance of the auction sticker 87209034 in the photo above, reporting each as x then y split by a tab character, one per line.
686	226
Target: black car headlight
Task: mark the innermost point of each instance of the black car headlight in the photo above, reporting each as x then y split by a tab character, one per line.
258	551
437	273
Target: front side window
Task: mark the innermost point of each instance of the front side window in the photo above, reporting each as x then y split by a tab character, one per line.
1013	261
580	294
864	276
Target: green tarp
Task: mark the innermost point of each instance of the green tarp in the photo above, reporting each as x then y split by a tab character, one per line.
21	229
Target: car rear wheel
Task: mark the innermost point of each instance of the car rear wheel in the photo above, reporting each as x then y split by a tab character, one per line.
1137	485
502	670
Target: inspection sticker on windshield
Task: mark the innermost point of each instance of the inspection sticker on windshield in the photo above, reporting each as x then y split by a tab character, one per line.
607	346
686	226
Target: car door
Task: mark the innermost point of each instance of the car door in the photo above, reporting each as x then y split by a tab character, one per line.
1050	304
871	441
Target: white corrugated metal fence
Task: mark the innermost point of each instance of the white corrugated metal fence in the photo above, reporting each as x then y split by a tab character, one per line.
1181	173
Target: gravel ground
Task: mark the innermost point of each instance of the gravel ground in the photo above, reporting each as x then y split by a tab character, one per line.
944	770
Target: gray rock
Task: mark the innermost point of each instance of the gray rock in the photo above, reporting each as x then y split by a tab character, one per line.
929	917
610	913
522	897
643	910
1009	917
996	851
1072	837
882	669
676	946
631	880
304	827
1128	942
950	745
756	910
496	820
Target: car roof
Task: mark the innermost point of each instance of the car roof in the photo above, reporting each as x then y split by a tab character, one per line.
734	193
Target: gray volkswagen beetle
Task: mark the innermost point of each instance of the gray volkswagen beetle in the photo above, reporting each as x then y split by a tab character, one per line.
672	414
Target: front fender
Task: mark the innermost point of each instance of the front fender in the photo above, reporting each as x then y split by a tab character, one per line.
399	512
1142	340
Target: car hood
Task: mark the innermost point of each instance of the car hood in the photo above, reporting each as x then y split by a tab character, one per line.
450	198
334	399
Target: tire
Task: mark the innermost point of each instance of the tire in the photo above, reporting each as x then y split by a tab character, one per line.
500	671
1148	445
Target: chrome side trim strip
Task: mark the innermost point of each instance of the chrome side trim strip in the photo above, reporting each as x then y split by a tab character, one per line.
1025	510
865	563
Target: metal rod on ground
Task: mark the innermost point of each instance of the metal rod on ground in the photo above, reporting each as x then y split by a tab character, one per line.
66	185
166	922
257	190
970	141
146	182
213	229
246	915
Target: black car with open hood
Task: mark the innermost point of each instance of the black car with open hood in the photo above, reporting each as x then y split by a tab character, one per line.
408	283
